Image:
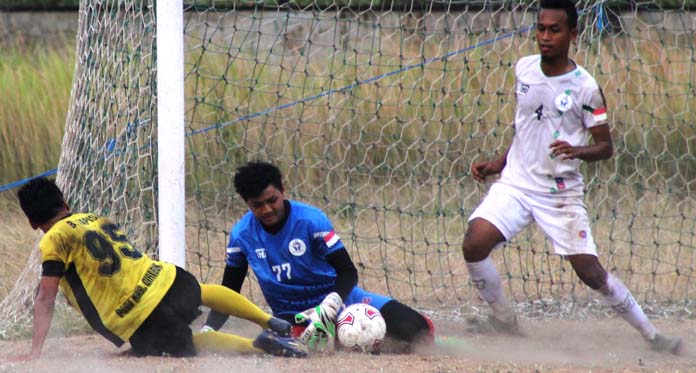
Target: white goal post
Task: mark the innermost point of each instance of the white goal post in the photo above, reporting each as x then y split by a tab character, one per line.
170	130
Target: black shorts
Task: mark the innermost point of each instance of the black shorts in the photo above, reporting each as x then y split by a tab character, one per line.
166	330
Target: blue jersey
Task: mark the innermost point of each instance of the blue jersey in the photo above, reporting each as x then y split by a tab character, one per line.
291	265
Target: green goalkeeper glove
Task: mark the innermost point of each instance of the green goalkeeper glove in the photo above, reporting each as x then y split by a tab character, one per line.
320	334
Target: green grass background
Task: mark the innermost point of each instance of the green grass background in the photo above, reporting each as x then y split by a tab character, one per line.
35	82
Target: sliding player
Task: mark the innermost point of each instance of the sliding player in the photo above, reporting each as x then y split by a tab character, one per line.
125	295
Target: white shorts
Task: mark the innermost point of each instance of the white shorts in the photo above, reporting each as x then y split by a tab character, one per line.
563	219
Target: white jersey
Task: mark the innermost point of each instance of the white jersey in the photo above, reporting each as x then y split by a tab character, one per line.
548	109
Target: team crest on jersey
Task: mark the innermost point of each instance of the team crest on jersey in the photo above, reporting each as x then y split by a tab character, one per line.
261	253
564	102
524	88
297	247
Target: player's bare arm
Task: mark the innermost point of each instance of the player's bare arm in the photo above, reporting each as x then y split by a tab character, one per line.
480	170
600	149
43	314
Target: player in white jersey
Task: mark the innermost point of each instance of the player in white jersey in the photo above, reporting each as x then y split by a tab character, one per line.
559	106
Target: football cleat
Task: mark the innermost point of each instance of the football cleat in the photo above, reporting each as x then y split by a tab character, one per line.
493	324
276	345
280	327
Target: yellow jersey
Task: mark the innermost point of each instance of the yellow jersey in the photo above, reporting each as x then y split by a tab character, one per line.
112	284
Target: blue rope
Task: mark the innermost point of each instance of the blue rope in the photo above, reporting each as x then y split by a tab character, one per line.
602	18
24	181
359	83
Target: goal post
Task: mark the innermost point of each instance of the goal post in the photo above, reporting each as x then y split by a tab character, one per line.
375	112
170	132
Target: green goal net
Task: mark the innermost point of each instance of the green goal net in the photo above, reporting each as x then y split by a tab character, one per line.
375	112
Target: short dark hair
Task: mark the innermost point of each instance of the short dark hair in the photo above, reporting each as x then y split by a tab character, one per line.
566	5
253	178
40	199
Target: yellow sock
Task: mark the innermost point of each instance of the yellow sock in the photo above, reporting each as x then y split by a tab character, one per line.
223	342
229	302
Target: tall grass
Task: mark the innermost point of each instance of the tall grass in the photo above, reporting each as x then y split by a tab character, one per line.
17	241
35	82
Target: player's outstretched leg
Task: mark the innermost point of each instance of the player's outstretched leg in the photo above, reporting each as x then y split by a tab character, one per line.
487	281
616	295
480	239
267	342
229	302
212	341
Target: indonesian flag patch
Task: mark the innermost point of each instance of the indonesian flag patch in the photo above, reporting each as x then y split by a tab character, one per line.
599	114
331	238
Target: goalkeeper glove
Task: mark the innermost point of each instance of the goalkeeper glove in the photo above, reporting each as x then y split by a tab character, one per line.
320	333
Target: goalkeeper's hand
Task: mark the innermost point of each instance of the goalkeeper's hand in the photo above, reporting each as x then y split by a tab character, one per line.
320	334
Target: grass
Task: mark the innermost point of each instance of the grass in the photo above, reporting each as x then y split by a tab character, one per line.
35	82
18	239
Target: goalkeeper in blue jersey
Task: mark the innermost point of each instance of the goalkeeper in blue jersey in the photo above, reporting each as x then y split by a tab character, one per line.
303	269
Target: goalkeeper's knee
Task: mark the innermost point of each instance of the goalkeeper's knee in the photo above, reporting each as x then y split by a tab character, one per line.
406	324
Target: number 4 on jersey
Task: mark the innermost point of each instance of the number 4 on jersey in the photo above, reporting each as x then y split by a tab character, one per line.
539	111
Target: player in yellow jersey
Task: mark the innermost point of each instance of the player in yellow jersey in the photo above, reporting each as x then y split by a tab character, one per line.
125	295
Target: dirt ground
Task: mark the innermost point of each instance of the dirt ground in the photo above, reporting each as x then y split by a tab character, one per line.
553	345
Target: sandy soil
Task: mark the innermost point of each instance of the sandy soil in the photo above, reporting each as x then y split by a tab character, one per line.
553	345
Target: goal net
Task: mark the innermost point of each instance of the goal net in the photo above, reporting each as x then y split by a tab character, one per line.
375	112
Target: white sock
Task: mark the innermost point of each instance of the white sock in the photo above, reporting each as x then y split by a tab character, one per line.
487	281
617	295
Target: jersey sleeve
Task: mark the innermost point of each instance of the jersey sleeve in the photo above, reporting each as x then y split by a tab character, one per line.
52	268
235	256
324	237
594	107
53	248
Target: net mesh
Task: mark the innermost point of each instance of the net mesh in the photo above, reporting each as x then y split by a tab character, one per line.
375	113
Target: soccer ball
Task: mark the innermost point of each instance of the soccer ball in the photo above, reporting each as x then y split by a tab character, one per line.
360	327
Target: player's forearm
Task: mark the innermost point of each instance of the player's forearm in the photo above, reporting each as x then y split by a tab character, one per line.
346	273
233	277
43	313
596	152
